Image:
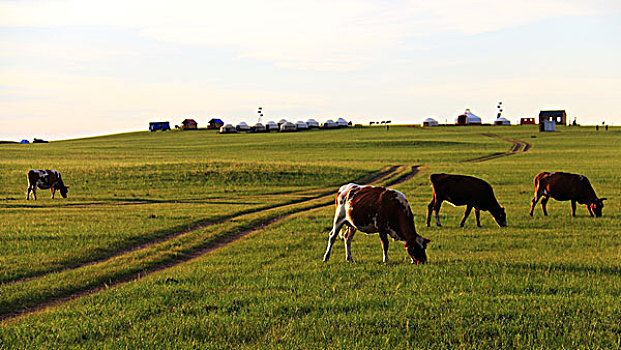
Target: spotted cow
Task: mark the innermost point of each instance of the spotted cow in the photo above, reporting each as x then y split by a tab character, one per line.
566	187
373	209
45	179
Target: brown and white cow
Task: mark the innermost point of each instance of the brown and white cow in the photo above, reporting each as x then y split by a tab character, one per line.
566	187
464	190
45	179
373	209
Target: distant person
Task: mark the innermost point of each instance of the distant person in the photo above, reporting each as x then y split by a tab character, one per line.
596	127
606	127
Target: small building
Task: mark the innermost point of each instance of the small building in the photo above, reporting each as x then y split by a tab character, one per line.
189	124
301	125
271	126
558	117
468	118
341	123
258	127
242	127
547	125
154	126
215	124
312	123
527	121
329	124
228	129
288	127
430	122
502	121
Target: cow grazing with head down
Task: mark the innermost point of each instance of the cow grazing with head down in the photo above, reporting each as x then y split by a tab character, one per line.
566	187
373	209
465	190
45	179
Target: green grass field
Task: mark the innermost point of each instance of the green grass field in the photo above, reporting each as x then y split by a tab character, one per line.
143	252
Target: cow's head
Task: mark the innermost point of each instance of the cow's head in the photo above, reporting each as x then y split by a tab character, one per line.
501	217
416	249
63	190
597	206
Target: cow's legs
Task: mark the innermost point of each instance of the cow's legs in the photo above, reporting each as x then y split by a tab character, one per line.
573	208
34	191
349	236
544	201
53	190
534	202
385	242
468	209
477	215
339	221
430	209
28	192
590	210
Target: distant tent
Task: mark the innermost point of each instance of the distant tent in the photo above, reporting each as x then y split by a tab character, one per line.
287	127
312	123
36	140
301	125
154	126
341	123
215	123
468	118
189	124
502	121
329	124
430	122
228	129
281	122
242	127
258	127
271	126
24	141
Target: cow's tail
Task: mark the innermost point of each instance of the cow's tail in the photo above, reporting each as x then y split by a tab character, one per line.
538	178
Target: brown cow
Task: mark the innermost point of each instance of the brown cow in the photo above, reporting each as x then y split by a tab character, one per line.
45	179
566	187
373	209
464	190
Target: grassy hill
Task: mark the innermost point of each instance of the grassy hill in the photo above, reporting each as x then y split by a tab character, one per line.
149	213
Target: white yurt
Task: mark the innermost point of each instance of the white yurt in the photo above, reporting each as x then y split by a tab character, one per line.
258	127
301	125
341	123
228	129
468	118
242	127
287	127
430	122
502	121
281	122
312	123
271	126
329	124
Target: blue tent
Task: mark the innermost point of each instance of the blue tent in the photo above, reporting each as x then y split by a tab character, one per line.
24	141
154	126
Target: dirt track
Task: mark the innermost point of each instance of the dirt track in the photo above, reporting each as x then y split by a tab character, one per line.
393	176
400	174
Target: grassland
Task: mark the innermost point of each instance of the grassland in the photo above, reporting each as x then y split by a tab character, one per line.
144	202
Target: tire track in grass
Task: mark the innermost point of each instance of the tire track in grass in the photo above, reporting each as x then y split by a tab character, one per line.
36	294
518	146
179	230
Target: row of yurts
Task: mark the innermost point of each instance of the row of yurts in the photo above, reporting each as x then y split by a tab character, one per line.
468	118
284	126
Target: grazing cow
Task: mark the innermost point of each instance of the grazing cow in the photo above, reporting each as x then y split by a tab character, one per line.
45	179
464	190
373	209
566	187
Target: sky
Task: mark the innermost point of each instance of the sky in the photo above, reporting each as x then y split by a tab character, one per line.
79	68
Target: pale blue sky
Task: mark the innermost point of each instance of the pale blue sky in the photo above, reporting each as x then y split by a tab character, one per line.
81	68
